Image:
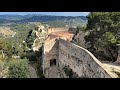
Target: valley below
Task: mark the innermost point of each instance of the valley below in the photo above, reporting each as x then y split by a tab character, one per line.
44	46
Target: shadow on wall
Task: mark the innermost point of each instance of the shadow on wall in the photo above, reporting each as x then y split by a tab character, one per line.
51	53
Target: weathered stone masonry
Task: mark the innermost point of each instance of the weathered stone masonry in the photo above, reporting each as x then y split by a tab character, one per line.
80	61
50	52
62	53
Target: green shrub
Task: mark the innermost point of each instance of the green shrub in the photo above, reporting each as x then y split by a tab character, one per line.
3	70
18	68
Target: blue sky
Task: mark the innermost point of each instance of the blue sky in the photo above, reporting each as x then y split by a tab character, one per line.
49	13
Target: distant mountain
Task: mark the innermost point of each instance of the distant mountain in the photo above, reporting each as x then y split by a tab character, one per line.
18	17
2	21
52	18
11	17
40	18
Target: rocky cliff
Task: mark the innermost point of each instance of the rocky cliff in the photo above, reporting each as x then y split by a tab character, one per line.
41	35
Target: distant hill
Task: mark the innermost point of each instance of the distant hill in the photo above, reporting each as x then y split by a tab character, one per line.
18	17
11	17
69	20
52	18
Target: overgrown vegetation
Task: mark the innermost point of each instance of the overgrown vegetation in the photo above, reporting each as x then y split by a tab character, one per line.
104	34
14	68
30	38
56	23
16	54
3	70
18	68
5	48
14	50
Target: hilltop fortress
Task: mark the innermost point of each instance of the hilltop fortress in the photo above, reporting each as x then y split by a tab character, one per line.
63	59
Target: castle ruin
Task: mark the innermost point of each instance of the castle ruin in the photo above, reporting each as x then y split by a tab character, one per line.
63	59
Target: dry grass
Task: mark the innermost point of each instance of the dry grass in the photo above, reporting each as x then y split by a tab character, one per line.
6	31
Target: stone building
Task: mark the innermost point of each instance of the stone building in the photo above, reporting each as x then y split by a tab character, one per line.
63	59
43	33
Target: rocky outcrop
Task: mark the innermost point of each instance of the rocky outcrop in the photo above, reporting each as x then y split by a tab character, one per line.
41	35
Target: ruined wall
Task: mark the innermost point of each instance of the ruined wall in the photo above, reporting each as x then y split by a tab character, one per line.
50	30
50	51
80	61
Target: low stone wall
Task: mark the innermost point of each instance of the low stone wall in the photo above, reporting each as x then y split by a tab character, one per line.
80	60
50	30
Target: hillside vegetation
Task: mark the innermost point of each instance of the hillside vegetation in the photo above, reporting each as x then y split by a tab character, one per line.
6	31
20	37
104	35
59	20
17	36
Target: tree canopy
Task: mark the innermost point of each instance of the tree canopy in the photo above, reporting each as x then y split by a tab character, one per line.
104	33
6	47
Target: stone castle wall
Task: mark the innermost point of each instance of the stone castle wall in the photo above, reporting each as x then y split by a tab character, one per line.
80	60
50	51
50	30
